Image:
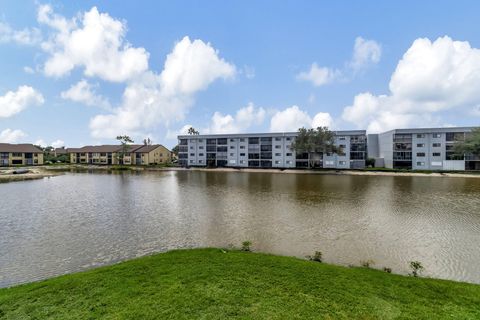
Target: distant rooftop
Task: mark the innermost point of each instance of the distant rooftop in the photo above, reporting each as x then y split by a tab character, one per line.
23	148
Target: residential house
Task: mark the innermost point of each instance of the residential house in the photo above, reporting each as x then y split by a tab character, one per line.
20	154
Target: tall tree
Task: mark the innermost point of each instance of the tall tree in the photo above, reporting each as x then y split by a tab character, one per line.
147	142
470	146
193	132
124	141
175	149
315	142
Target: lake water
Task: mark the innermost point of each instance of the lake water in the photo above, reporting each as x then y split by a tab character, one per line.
78	221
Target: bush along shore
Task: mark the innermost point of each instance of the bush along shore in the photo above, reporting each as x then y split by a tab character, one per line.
220	284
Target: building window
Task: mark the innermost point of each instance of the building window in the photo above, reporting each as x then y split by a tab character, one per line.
278	147
242	139
278	139
341	138
420	135
232	147
191	148
420	145
242	161
222	141
200	140
242	154
436	154
192	154
191	161
288	162
289	154
278	154
242	147
420	154
16	154
436	135
420	163
436	145
200	147
200	154
232	154
277	162
232	140
199	161
288	138
342	163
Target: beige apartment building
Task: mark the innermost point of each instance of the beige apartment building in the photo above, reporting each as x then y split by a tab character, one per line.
20	154
109	154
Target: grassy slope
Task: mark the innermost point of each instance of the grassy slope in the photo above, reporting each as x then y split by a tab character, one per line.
209	284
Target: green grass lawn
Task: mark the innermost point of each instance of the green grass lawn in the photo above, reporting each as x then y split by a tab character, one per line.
216	284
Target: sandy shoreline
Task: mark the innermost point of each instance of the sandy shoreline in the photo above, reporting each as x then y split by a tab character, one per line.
50	171
6	175
337	172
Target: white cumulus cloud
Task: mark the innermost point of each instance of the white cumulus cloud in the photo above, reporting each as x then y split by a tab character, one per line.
244	119
430	78
365	52
94	42
84	92
293	118
25	36
14	102
319	76
58	143
11	136
153	98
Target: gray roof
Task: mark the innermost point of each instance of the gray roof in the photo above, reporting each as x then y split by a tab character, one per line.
103	148
264	134
23	148
148	148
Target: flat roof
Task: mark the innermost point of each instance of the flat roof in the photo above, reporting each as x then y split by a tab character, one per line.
431	130
264	134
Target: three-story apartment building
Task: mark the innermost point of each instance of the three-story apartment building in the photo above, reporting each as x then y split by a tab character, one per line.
268	150
422	149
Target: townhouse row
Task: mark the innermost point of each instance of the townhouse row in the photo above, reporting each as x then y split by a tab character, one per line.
28	154
20	154
111	154
417	149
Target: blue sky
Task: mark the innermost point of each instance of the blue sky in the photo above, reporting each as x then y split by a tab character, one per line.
73	75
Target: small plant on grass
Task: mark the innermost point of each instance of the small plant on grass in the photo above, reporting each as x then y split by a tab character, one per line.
367	263
416	267
316	257
246	245
387	270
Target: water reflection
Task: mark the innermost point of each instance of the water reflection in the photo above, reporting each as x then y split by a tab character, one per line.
80	220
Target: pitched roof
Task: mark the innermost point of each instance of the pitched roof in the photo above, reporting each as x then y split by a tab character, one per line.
149	148
104	148
25	148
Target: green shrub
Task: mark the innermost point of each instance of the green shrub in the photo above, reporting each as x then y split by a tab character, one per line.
416	267
246	245
367	263
317	256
